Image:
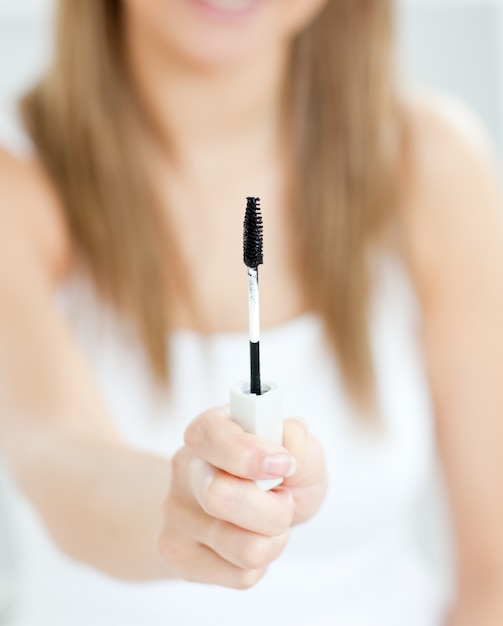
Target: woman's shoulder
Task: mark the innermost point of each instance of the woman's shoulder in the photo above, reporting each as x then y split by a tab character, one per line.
451	211
445	120
449	152
31	219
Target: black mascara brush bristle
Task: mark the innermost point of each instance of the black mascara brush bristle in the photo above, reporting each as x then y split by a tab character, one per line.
253	234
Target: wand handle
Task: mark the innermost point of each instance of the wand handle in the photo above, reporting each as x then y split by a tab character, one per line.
260	415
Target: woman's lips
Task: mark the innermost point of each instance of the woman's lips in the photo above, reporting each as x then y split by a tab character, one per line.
227	9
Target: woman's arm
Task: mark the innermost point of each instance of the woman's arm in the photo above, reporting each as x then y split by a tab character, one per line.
132	515
100	501
454	233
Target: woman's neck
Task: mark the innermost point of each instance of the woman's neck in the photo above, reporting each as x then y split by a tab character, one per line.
218	138
202	115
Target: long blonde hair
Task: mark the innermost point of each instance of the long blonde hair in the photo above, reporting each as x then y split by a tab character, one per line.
83	121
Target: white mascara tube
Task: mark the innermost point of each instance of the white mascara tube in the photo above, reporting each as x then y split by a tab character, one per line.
260	415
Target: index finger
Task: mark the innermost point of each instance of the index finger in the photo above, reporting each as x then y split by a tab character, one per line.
221	442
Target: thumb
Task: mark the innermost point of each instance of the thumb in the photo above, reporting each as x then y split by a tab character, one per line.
295	438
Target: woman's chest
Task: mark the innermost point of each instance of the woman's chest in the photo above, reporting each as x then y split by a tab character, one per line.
207	227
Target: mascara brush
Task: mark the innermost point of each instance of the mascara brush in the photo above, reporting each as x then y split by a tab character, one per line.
253	257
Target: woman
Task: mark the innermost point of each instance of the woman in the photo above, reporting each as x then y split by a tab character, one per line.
381	301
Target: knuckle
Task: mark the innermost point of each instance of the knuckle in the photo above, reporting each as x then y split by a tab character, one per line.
201	428
195	433
245	579
256	553
283	519
217	498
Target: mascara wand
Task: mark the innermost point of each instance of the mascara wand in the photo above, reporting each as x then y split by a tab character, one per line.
253	257
256	407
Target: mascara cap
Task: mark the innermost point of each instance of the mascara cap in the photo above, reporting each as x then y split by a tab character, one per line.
260	415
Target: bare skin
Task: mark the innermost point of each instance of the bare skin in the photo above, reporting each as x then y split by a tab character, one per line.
453	234
138	516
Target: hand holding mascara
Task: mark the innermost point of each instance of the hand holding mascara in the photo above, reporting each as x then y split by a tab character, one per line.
218	527
211	485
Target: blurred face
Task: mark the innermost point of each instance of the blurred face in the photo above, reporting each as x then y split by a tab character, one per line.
219	33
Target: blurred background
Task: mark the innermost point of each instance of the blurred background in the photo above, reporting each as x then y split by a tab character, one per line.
451	45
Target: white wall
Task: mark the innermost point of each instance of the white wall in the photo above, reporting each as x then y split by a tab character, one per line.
24	8
457	45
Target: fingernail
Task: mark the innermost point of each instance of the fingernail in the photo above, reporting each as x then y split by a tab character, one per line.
280	465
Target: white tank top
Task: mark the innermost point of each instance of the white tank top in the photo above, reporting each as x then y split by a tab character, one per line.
356	563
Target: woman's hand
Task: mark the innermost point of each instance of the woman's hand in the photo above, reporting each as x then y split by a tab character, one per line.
219	527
